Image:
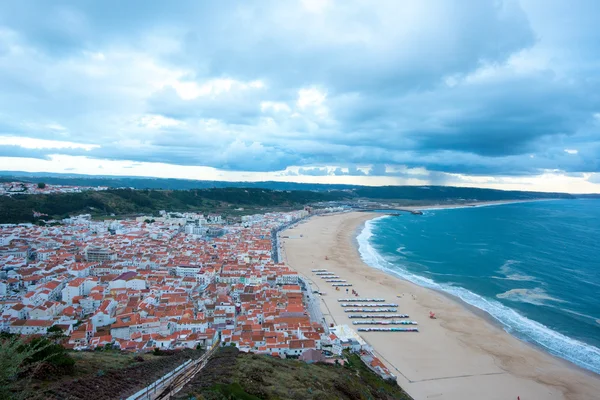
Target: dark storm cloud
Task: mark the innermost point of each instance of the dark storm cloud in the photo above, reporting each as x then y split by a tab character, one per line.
18	151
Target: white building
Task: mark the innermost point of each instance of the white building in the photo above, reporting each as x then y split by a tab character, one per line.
73	288
32	327
193	229
102	317
188	270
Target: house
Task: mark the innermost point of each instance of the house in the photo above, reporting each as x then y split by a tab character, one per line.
41	312
208	338
73	289
299	346
136	283
122	327
164	342
376	365
100	341
32	298
128	324
32	327
287	278
82	336
72	312
78	338
103	315
80	270
128	280
291	289
312	356
194	325
19	311
67	327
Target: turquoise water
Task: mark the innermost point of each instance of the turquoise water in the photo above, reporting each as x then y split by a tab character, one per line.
534	267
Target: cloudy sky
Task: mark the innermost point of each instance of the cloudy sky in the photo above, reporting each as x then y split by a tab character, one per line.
489	93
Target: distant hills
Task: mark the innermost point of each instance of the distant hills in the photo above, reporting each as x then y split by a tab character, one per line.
134	196
383	192
158	183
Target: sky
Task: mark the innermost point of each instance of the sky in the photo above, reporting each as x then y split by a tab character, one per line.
491	93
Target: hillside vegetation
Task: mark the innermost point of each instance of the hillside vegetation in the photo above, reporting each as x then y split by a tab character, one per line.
231	374
41	368
20	208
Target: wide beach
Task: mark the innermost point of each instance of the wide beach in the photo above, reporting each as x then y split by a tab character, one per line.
459	355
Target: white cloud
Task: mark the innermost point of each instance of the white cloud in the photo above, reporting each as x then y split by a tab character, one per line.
310	97
312	101
154	121
95	56
190	90
571	151
275	106
316	6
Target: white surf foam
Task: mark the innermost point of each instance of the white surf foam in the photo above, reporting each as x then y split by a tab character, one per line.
402	250
536	296
556	343
511	274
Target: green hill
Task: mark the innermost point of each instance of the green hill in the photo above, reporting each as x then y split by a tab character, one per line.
228	375
234	375
19	208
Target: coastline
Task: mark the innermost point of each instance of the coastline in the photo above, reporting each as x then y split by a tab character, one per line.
473	204
484	204
534	334
462	354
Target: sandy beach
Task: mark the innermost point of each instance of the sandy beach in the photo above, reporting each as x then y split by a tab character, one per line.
471	204
459	355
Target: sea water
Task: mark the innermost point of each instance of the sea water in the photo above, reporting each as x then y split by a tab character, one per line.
534	267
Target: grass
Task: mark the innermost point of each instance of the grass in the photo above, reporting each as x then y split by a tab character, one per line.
90	362
243	376
235	391
108	374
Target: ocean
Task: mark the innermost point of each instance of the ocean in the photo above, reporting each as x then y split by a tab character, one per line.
534	267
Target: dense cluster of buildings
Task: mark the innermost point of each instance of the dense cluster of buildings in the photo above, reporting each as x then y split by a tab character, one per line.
175	281
16	188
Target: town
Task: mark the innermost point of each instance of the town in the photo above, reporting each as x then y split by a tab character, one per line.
180	280
20	188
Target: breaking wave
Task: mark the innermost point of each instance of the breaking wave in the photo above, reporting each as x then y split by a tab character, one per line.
577	352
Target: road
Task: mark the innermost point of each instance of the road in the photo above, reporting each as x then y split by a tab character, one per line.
313	302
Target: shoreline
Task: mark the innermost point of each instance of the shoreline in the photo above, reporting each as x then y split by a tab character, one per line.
464	353
472	204
476	204
487	316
